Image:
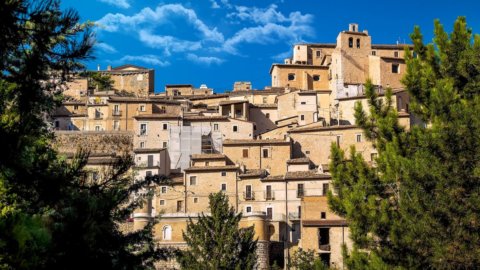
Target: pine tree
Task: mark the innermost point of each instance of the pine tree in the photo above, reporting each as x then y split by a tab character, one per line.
419	207
306	260
50	216
215	241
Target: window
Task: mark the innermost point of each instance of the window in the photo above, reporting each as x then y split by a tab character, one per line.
254	127
195	200
291	76
323	215
179	206
303	103
316	78
162	202
163	190
57	123
248	192
359	138
235	128
116	125
318	53
97	128
264	100
245	153
307	152
75	107
207	163
143	129
116	108
265	153
268	192
267	115
326	186
339	140
215	127
193	180
223	187
302	117
142	108
165	126
248	209
350	42
224	173
358	43
167	233
142	144
269	212
164	144
150	160
300	191
395	54
395	68
374	53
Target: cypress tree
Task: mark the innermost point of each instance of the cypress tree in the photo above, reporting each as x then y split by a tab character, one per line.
215	241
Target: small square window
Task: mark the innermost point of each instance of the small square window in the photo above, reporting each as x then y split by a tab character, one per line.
215	127
248	209
395	68
193	180
195	200
307	152
318	53
359	138
245	153
165	126
303	103
163	190
302	117
162	202
235	128
164	144
264	99
374	53
316	78
395	54
142	108
323	215
291	76
224	187
142	144
265	153
224	173
75	107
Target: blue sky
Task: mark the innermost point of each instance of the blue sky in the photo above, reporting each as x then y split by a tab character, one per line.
218	42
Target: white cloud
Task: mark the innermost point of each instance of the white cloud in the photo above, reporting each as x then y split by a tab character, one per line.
148	17
148	59
215	5
271	26
206	60
282	56
117	3
168	43
105	47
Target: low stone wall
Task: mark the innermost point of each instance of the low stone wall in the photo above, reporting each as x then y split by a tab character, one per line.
98	142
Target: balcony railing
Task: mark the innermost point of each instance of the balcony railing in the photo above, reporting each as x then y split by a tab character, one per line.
117	113
249	195
98	116
269	195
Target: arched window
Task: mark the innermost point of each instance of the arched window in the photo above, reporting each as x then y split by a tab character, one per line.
167	232
350	42
358	43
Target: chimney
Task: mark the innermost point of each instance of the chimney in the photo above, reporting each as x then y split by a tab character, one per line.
109	67
353	27
98	67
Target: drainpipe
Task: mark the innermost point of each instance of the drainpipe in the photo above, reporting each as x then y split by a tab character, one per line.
287	233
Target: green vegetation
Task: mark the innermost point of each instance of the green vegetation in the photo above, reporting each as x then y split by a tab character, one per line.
51	216
98	81
419	208
306	260
216	242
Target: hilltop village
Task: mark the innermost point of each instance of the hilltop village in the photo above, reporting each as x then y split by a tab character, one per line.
267	149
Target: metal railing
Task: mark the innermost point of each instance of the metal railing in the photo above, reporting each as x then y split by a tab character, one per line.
117	112
249	195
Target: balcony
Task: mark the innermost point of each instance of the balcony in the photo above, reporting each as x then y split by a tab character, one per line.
98	116
249	196
269	195
116	113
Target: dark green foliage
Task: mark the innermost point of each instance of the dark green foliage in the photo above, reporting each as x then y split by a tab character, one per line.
420	207
98	81
216	242
306	260
50	216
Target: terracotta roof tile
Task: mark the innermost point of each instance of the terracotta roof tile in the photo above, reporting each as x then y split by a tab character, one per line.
212	168
303	160
255	142
306	175
207	156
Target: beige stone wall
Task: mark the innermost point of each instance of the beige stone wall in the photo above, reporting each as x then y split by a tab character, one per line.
225	127
96	142
389	79
275	163
208	182
278	133
303	77
166	197
76	88
156	136
140	83
263	123
316	144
